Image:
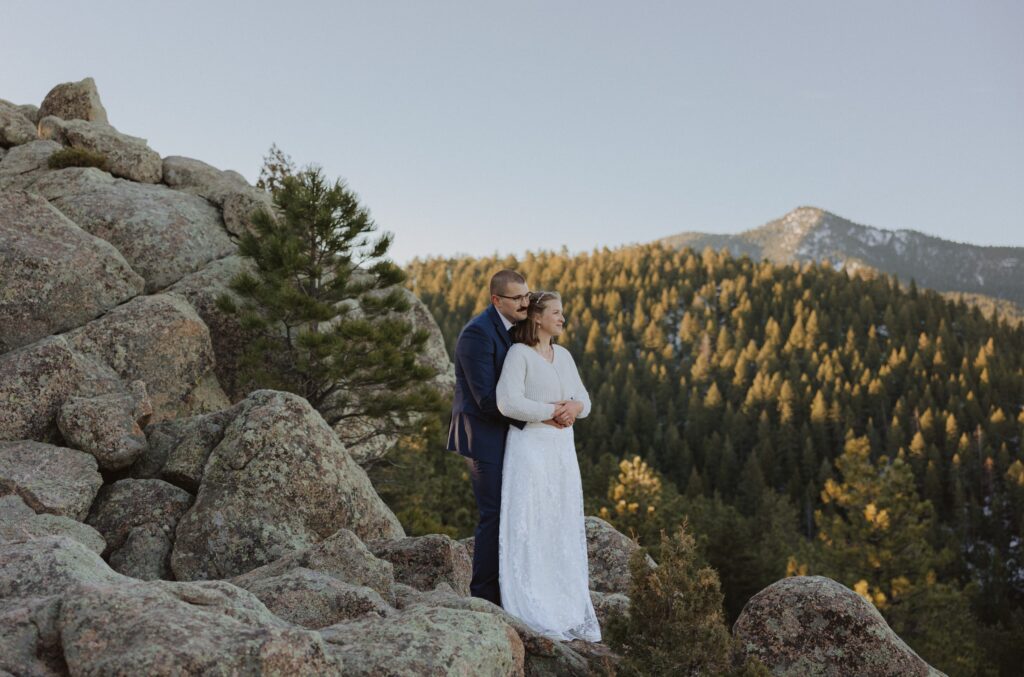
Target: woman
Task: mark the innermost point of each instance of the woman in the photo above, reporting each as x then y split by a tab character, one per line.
542	542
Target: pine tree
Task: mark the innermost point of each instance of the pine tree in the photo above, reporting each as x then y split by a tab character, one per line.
327	309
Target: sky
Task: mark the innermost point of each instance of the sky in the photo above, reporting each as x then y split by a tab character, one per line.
478	127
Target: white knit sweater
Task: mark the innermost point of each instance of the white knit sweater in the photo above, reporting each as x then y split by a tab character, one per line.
529	384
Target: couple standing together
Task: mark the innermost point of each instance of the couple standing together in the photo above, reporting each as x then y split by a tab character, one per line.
517	395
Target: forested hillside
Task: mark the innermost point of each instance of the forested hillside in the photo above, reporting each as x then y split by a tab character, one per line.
803	421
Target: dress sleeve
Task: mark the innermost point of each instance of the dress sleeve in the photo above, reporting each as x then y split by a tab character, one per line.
511	392
575	386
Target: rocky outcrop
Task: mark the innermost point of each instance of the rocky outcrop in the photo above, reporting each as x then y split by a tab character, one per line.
54	275
18	522
278	481
811	625
427	641
138	518
164	234
49	479
423	562
74	101
128	157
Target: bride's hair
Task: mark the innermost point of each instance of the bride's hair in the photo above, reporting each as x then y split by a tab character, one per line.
526	331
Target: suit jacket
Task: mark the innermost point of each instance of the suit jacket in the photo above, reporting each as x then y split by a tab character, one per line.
478	429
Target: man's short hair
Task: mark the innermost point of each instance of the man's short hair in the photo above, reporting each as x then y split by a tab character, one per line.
502	279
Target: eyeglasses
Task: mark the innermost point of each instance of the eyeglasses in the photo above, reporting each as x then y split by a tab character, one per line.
518	298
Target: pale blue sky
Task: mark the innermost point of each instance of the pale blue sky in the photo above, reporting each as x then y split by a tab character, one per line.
477	127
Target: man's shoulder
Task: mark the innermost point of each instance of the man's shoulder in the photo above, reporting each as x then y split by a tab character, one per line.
480	327
482	321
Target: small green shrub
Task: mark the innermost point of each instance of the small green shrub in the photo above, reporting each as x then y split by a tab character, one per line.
78	157
675	624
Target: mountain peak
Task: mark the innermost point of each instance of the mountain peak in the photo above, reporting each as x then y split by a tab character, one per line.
810	233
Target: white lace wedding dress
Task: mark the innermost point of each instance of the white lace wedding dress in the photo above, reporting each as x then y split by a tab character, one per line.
542	543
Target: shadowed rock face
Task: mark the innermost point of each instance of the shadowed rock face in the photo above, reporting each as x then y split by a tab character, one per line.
811	625
137	518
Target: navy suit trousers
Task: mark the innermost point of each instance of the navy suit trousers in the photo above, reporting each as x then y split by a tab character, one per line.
486	478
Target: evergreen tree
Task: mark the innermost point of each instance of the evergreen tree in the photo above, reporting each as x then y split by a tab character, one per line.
326	308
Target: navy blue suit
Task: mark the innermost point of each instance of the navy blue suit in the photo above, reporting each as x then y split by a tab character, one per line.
478	432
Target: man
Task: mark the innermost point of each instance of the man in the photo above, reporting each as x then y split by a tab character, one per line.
478	429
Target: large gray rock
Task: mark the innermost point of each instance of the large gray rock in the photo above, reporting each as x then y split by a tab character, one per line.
157	339
164	234
128	157
74	101
427	641
197	177
162	628
49	479
22	165
608	553
240	206
29	639
425	561
227	189
54	275
279	481
146	554
107	426
341	556
811	625
50	565
15	128
18	522
315	600
138	518
35	380
544	656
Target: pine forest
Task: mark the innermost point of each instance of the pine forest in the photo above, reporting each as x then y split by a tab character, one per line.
802	420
